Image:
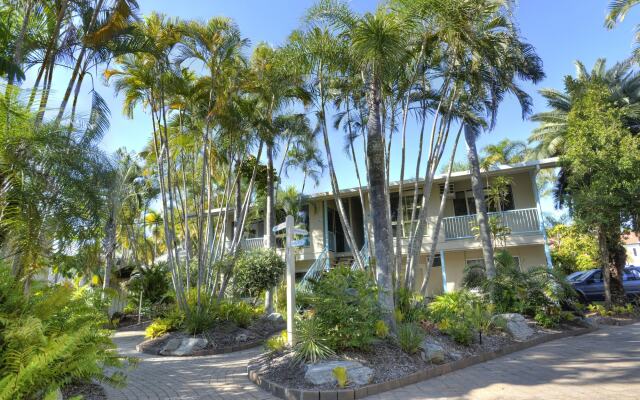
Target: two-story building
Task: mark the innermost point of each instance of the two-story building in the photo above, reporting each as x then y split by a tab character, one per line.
457	246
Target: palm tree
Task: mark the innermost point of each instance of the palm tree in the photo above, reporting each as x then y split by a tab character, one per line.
618	10
318	52
549	136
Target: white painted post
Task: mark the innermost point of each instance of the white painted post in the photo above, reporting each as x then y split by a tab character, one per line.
291	280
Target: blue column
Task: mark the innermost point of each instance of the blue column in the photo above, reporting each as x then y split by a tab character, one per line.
534	186
444	272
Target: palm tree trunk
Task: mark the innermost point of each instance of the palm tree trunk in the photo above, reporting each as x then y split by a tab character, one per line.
270	221
18	54
481	207
80	59
436	229
379	205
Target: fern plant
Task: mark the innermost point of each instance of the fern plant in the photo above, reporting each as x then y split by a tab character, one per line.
51	338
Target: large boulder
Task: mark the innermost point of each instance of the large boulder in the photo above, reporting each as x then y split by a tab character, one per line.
183	346
322	373
432	352
516	325
275	317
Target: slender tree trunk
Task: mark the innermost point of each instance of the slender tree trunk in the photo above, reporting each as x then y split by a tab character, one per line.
18	54
346	225
379	205
436	229
481	207
80	59
270	221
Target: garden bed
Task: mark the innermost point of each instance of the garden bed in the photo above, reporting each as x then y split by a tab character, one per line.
88	391
278	373
223	337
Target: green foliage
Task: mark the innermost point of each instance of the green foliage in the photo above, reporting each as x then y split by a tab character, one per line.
452	313
256	271
345	304
340	373
277	343
410	307
173	321
382	329
410	336
536	291
602	311
51	338
573	250
238	312
312	344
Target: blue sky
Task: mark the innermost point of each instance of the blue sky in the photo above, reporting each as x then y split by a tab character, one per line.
562	31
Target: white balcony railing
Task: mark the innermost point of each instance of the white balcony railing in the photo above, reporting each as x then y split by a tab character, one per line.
518	221
252	244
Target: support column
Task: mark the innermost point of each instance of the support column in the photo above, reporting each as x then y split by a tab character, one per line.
325	224
534	186
444	272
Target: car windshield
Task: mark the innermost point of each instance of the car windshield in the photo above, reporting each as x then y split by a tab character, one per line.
576	276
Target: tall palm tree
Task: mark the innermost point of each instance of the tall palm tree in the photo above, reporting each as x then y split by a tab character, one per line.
318	52
618	10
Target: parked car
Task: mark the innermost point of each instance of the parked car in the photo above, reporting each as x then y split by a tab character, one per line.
590	285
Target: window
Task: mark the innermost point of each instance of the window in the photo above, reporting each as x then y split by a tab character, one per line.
635	252
464	203
597	276
437	261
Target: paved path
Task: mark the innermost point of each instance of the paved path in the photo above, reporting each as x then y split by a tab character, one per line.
218	377
603	364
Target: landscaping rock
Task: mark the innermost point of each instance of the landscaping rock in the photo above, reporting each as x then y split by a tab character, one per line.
275	317
516	326
432	352
322	373
242	337
183	347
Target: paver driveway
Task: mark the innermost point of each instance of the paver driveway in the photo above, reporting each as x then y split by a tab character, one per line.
602	364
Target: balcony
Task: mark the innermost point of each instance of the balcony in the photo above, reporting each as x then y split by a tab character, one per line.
525	220
252	244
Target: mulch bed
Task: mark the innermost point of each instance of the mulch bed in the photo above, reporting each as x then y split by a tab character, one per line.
88	391
222	337
386	359
617	320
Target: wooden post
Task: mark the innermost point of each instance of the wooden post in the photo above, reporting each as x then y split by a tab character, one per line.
291	280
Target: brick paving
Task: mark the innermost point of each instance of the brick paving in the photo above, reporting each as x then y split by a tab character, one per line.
602	364
216	377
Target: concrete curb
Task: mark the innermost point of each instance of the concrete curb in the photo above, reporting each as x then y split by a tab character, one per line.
418	376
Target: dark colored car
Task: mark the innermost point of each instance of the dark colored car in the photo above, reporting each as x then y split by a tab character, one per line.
590	285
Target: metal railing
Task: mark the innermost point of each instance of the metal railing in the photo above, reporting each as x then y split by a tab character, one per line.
320	265
364	255
252	244
518	221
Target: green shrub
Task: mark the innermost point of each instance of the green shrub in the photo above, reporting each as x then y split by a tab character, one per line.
382	329
238	312
277	343
460	314
345	304
410	307
311	343
51	337
256	271
410	336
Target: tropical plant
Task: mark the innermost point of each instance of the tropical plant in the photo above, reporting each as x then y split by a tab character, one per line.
52	337
410	336
312	343
344	304
618	10
572	250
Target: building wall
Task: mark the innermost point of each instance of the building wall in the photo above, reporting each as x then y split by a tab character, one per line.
633	254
